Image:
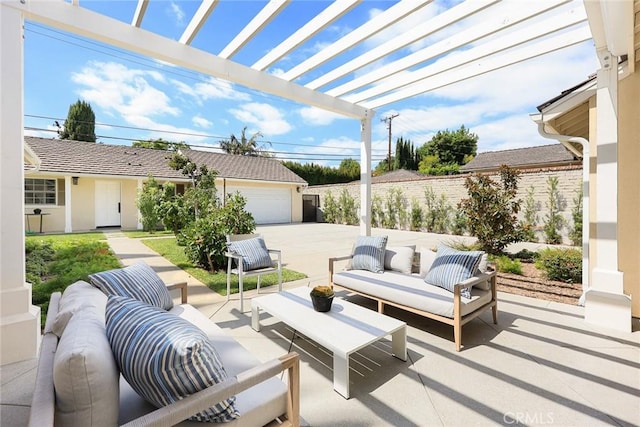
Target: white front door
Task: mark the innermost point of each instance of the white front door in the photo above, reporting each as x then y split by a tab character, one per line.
107	204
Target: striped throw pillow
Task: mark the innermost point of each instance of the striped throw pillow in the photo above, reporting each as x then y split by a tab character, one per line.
368	253
452	267
163	357
137	281
253	251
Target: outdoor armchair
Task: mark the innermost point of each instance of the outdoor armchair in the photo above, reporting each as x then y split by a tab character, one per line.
251	257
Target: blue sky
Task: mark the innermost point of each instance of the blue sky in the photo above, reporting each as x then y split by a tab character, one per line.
137	98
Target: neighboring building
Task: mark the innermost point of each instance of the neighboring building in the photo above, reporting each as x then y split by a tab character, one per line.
85	185
545	156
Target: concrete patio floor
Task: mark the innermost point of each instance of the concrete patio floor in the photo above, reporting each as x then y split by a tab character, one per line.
541	365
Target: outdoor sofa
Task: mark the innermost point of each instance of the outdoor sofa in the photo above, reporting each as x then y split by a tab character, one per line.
400	277
81	376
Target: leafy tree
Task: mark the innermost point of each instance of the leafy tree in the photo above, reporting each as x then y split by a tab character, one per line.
492	209
160	144
406	156
80	124
243	146
530	220
172	210
452	147
200	198
349	168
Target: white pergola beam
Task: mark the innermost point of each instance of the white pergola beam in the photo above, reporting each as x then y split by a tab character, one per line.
482	67
498	22
526	34
439	22
141	9
198	20
368	29
270	11
311	28
76	20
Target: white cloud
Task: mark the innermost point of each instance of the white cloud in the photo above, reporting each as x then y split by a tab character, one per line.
201	122
212	88
266	118
318	117
119	90
176	133
176	12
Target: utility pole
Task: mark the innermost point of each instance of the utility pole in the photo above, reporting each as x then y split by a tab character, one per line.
388	120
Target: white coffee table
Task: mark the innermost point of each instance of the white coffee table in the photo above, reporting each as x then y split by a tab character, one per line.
343	330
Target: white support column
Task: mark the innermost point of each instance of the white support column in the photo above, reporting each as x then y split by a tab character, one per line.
140	187
605	301
68	228
19	319
365	174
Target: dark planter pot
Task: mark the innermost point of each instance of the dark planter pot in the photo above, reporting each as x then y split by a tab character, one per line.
321	304
37	211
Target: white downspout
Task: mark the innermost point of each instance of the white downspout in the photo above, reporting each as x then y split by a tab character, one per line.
565	140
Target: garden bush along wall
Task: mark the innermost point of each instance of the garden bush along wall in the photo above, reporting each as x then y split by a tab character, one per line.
452	186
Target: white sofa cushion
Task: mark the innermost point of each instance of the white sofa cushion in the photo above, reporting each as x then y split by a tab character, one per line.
427	256
77	297
410	291
85	375
399	258
452	267
163	357
257	406
137	281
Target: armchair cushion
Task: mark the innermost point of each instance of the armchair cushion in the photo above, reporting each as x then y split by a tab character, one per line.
254	253
137	281
399	258
164	358
452	267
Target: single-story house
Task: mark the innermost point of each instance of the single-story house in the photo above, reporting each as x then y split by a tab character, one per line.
83	185
545	156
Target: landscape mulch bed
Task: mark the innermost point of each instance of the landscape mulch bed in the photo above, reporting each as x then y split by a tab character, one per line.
533	284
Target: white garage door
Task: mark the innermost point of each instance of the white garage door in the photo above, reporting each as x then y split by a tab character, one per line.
267	205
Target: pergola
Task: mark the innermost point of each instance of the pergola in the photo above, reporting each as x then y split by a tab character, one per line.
491	34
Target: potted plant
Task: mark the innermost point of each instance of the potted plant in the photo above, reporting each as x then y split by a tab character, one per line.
322	297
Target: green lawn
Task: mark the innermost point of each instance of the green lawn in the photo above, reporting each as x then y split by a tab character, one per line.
217	282
139	234
53	262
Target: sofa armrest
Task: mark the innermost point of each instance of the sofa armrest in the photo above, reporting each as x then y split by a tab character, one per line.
183	290
331	266
474	280
183	409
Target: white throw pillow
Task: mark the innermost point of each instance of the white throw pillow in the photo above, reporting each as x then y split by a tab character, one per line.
77	297
427	256
399	258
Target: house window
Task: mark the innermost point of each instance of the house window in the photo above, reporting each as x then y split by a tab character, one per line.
39	191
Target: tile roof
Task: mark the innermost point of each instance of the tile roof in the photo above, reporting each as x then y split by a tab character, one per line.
88	158
545	155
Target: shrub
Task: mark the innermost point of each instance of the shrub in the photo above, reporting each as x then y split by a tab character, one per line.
377	211
417	216
396	214
561	264
492	209
530	217
205	238
330	211
526	255
576	213
437	212
460	223
553	219
148	201
505	264
347	208
172	210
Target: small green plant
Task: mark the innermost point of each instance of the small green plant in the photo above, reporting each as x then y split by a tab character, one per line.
148	201
396	215
417	216
460	223
461	245
528	224
576	214
526	255
322	291
347	208
564	265
437	212
505	264
330	210
377	211
553	219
